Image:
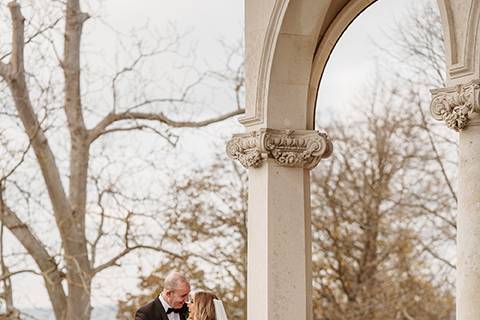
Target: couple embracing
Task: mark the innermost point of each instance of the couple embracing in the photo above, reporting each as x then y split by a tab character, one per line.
176	303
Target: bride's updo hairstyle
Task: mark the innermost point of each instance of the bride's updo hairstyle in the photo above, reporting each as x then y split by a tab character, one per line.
203	305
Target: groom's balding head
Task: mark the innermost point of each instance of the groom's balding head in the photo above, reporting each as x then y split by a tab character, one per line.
174	280
176	289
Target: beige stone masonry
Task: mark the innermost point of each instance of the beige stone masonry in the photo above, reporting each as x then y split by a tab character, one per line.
456	105
289	148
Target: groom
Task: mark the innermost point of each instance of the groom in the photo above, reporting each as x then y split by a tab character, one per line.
170	304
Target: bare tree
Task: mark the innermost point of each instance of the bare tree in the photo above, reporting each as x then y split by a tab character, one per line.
416	46
81	203
370	204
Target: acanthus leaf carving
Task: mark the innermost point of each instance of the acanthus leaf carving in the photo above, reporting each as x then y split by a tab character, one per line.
291	148
455	105
243	147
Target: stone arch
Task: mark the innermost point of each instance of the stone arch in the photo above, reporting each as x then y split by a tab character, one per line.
298	40
326	45
460	20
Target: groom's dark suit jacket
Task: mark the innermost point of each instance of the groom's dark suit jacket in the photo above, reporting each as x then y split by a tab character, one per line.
154	311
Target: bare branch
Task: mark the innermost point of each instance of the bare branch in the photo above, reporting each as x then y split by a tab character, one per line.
428	249
18	25
113	261
36	249
131	67
4	70
438	158
15	167
100	231
18	86
39	32
99	130
71	65
10	274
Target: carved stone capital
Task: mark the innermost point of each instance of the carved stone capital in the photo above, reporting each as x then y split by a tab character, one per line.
290	148
455	105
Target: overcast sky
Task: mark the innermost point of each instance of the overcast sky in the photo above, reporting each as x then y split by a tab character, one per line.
353	60
206	22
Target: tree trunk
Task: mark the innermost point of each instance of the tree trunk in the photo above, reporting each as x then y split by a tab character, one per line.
78	301
76	253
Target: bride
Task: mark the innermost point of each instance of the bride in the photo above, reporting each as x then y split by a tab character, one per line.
204	305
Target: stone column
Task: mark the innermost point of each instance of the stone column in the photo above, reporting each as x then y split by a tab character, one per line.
279	230
458	106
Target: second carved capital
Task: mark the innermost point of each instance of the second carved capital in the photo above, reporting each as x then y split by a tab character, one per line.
455	105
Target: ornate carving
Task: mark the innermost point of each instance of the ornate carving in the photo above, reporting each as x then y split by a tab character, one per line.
291	148
455	105
243	147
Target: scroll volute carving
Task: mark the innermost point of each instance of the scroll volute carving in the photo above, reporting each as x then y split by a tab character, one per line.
455	105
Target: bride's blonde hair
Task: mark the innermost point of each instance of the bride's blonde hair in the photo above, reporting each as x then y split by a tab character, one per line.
204	306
